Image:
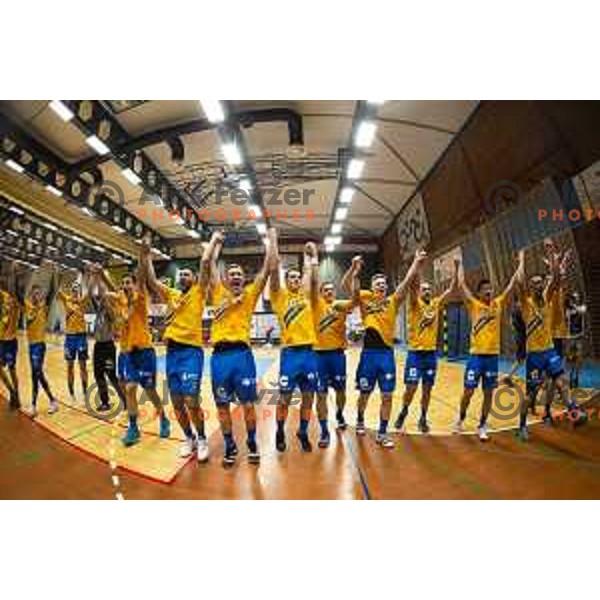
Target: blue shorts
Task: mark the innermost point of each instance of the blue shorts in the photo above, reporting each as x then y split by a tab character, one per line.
298	369
546	362
331	370
233	372
484	367
37	354
76	346
138	366
8	352
184	369
421	365
376	366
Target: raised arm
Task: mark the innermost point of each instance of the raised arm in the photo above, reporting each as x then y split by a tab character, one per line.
412	273
311	271
147	270
354	278
348	277
454	286
261	279
209	263
517	277
463	288
274	283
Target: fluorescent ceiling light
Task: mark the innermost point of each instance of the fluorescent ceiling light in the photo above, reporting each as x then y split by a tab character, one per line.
53	190
346	195
231	153
88	212
16	210
14	166
355	168
97	144
329	247
332	240
99	248
341	214
261	228
11	232
118	229
245	184
78	239
256	210
61	109
365	134
131	176
50	226
376	102
213	109
336	228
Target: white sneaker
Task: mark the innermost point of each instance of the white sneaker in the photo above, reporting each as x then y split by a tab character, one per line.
32	412
361	429
383	440
482	432
458	427
187	448
202	450
53	407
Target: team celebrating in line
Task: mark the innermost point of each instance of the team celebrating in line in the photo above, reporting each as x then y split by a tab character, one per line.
312	322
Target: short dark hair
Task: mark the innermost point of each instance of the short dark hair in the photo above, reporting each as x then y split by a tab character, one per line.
483	282
378	276
292	270
234	266
324	283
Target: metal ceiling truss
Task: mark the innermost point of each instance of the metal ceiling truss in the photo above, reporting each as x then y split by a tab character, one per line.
92	118
34	239
27	156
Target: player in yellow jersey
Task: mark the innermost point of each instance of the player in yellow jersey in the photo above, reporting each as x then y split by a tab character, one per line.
232	366
298	363
75	302
558	303
10	309
330	329
485	312
137	360
542	359
37	304
377	364
183	337
424	311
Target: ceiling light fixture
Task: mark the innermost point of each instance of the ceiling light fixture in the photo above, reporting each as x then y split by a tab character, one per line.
365	134
231	153
213	109
97	144
61	109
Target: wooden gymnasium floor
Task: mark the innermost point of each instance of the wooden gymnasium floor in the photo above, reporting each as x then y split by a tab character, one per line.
49	459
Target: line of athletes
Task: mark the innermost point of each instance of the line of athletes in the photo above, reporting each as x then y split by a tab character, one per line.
313	332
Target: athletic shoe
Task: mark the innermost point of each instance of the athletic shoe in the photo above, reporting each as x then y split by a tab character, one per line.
53	407
187	448
548	419
384	441
165	427
103	408
32	412
131	437
304	441
482	433
280	441
523	433
253	454
341	422
324	440
360	428
424	426
399	424
230	454
202	450
458	427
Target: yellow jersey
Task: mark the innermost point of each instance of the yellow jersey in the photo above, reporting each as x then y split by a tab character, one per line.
423	322
74	312
9	316
330	323
36	319
538	321
379	313
295	316
486	324
184	315
559	317
135	334
232	316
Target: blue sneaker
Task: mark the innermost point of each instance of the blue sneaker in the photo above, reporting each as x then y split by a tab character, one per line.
131	437
165	427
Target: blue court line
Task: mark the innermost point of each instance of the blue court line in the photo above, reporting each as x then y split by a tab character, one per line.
363	480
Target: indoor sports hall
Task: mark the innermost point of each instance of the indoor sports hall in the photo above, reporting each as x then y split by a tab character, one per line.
114	203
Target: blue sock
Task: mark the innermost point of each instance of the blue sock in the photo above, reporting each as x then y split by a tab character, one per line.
133	421
252	435
323	424
304	425
383	426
